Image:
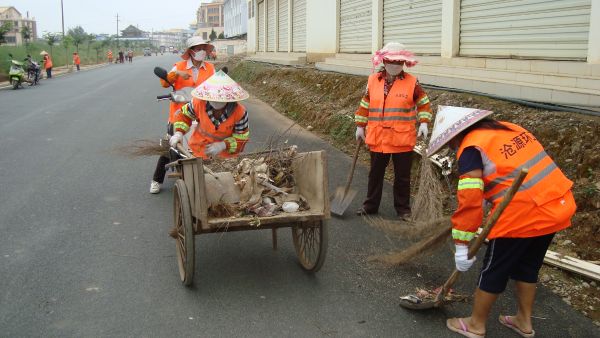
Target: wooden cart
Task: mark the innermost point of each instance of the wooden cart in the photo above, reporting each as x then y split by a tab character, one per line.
309	229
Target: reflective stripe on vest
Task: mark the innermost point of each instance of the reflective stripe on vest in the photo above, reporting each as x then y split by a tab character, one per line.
530	182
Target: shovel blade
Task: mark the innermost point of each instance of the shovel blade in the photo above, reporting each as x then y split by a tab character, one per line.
341	201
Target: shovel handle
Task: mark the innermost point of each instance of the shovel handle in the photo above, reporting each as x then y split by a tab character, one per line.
351	174
489	223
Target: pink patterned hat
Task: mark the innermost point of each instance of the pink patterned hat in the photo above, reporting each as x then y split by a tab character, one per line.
394	51
449	122
220	88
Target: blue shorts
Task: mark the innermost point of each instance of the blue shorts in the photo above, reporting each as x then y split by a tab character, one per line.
519	259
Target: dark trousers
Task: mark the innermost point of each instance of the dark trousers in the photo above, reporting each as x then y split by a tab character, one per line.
402	164
160	171
48	73
77	67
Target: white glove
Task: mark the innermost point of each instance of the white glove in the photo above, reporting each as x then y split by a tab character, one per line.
423	130
176	138
215	148
460	258
360	133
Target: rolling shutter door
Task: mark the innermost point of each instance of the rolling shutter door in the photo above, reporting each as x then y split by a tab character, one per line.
417	24
299	26
355	26
525	28
283	25
261	26
271	22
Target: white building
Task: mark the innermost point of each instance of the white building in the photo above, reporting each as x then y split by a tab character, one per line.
547	51
236	17
14	36
170	38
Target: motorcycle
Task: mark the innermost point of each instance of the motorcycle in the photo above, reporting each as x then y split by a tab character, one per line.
16	74
33	71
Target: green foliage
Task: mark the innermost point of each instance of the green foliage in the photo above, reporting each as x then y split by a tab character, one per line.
26	33
221	35
51	39
213	35
341	127
77	36
5	28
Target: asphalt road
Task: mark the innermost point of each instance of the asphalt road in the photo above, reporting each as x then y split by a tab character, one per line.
84	250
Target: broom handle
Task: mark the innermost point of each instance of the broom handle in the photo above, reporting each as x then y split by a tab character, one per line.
489	223
349	182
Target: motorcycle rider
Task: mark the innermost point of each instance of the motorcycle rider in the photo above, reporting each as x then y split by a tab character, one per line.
189	72
33	70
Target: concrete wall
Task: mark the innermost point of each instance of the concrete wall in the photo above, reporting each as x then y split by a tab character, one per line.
321	29
251	37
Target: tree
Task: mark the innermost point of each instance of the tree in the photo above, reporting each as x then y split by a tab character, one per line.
98	46
221	35
77	36
213	35
90	39
5	28
51	39
26	34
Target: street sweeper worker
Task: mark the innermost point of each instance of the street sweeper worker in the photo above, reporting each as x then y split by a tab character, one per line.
189	72
490	156
386	120
222	129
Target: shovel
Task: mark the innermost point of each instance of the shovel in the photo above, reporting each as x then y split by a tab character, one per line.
415	303
344	195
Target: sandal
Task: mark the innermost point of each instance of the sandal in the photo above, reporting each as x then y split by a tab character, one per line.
463	330
506	321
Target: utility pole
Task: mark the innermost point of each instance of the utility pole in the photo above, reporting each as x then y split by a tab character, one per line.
62	15
117	30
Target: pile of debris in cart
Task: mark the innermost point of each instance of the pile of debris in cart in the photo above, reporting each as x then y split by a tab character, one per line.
264	185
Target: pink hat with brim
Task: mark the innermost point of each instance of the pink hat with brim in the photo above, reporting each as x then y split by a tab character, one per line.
449	122
220	88
394	51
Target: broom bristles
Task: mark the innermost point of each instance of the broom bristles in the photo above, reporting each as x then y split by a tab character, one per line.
423	248
144	148
427	204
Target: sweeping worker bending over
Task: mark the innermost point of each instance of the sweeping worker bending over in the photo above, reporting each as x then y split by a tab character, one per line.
490	155
222	129
386	121
190	72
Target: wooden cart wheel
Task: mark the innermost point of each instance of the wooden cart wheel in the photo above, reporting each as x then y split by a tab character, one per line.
185	233
310	241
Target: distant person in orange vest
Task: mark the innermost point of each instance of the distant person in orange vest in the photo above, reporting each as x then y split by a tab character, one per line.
386	120
47	60
222	129
109	55
187	73
76	60
490	155
130	56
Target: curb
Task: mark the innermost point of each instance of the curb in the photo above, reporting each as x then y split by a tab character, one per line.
6	84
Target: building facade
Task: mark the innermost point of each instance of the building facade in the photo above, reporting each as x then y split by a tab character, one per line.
235	13
546	51
14	36
170	38
210	14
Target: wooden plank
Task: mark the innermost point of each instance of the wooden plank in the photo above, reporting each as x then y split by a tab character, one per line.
201	204
572	264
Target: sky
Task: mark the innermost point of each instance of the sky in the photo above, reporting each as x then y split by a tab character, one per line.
100	16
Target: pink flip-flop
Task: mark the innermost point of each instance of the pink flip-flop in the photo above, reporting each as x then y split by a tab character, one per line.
506	321
463	330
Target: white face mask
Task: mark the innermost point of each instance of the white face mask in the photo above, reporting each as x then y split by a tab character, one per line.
199	55
393	69
217	105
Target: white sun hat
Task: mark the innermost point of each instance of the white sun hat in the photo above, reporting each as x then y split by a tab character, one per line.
195	40
220	88
43	52
449	122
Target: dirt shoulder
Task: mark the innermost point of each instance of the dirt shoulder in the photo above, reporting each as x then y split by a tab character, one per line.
325	103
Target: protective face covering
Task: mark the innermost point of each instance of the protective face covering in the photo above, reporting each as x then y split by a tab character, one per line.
199	55
217	105
393	69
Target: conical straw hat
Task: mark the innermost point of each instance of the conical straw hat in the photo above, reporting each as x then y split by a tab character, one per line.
449	122
220	88
43	52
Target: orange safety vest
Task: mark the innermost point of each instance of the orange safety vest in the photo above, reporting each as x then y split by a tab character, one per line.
109	54
180	83
205	132
544	203
391	121
76	59
47	61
